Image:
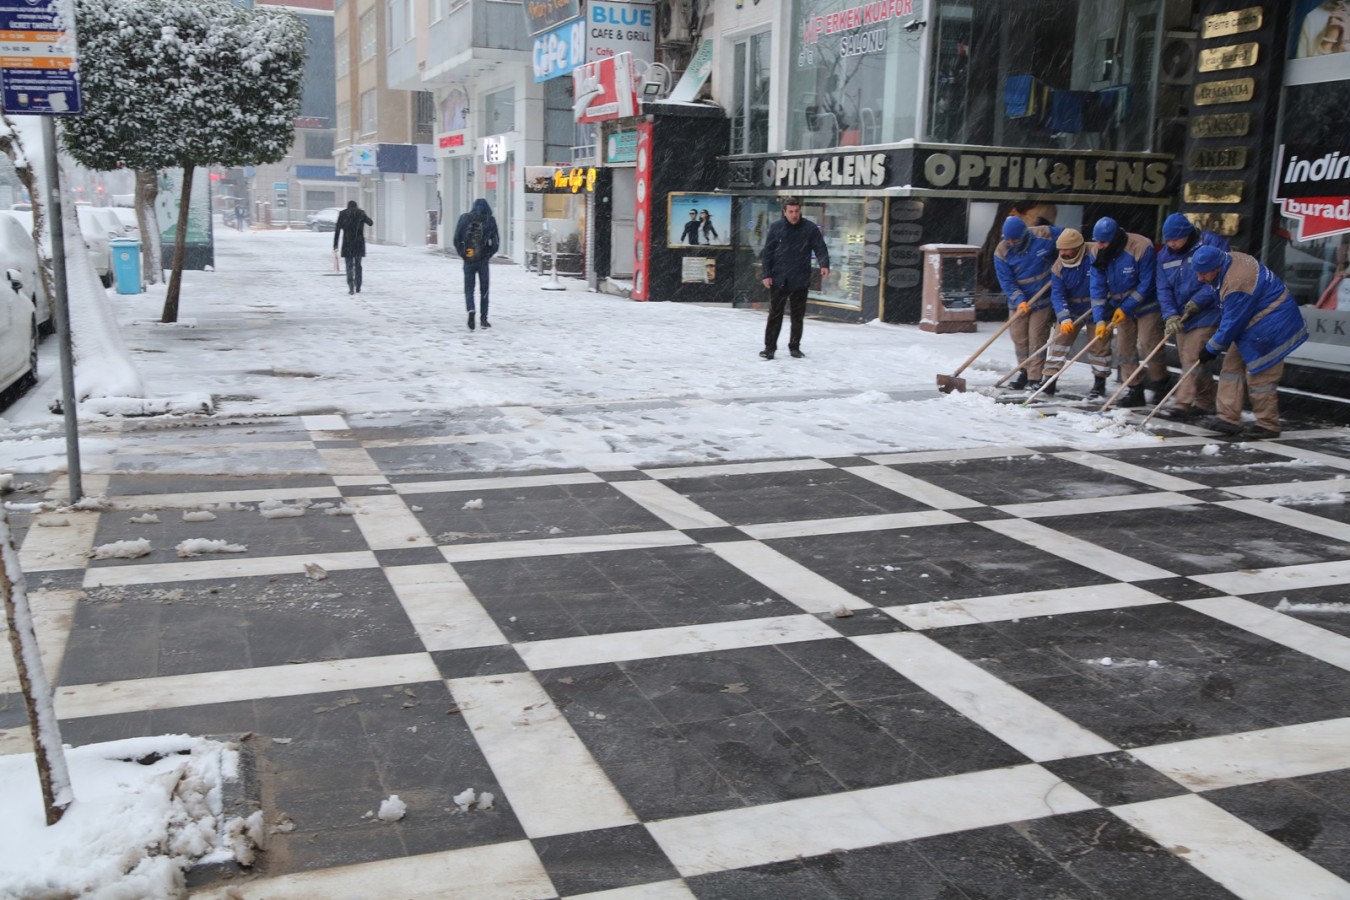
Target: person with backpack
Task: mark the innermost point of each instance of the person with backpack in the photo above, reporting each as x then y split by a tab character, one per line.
349	239
477	241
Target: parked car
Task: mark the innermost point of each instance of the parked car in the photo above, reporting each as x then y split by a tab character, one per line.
97	233
323	220
18	343
19	254
127	216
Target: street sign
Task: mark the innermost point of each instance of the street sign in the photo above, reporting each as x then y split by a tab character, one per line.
37	58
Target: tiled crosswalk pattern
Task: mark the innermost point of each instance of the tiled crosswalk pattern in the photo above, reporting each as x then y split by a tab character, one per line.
1015	672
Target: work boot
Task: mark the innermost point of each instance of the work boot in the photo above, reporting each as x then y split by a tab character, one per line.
1098	387
1020	382
1033	387
1157	390
1223	426
471	318
1260	433
1050	388
1133	397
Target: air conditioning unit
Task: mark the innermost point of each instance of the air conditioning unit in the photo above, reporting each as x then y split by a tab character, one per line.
1176	59
672	21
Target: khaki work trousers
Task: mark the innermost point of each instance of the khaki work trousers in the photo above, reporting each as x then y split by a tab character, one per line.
1197	390
1098	352
1030	332
1260	389
1135	339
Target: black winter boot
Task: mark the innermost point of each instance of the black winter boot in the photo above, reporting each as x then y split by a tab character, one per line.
471	321
1133	397
1020	382
1098	387
1158	390
1050	388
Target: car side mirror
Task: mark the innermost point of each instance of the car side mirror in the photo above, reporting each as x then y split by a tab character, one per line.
15	280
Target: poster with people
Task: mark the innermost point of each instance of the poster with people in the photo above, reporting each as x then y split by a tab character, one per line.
699	220
1319	28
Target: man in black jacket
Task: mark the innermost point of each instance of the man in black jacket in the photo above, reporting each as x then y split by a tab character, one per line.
476	241
786	266
350	236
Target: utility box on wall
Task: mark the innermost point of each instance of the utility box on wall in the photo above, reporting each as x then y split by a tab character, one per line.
948	287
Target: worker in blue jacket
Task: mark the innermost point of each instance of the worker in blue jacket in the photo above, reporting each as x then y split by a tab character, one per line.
1263	324
1071	297
1123	299
1022	263
1190	311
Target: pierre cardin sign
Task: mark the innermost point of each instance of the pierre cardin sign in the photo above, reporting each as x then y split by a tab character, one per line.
1239	21
969	170
849	170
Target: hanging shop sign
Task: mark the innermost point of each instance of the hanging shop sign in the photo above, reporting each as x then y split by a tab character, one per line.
494	149
1239	21
541	15
560	179
621	147
559	51
604	89
1312	185
614	28
826	170
454	143
980	170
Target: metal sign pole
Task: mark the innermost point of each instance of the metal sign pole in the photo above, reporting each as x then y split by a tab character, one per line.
61	307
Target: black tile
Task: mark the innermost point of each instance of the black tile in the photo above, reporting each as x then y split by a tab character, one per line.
533	513
947	741
1297	813
982	514
998	862
999	481
1178	588
863	621
791	496
1222	463
139	484
1321	606
1113	779
623	475
1210	495
603	859
54	579
716	534
848	462
760	762
409	556
884	872
337	444
474	661
367	490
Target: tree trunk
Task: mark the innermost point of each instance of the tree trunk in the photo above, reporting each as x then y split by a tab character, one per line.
147	189
179	248
37	692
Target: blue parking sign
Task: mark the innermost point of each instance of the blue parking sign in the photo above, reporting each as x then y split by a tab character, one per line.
37	58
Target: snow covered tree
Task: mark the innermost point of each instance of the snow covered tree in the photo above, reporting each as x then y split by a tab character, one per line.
180	84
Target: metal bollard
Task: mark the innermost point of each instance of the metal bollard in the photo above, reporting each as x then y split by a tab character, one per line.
553	284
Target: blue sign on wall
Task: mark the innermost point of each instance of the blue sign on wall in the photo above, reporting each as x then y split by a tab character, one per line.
559	51
37	77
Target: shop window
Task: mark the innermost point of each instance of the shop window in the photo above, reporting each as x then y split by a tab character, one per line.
319	146
499	112
853	78
1072	74
750	99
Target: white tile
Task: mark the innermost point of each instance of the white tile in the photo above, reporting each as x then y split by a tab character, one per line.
1280	578
348	461
1291	489
1026	605
1293	517
507	871
750	468
943	456
671	507
1089	555
786	577
1089	505
849	524
227	566
200	499
773	832
1285	629
914	488
387	523
359	480
1252	757
657	642
1017	719
52	612
652	890
593	543
325	423
170	691
58	540
1159	481
551	781
1231	852
445	613
1308	453
475	485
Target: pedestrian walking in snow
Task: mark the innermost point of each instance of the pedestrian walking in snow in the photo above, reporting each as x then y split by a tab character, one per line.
785	265
349	241
477	241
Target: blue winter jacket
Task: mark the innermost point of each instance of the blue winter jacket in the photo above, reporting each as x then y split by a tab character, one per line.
1177	284
1126	282
1070	289
1257	313
1023	267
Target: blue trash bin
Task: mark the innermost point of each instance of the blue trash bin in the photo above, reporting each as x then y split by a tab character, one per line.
126	263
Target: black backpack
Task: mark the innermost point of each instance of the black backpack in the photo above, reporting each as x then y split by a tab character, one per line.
474	242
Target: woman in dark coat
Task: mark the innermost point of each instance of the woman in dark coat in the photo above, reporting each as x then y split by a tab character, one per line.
349	240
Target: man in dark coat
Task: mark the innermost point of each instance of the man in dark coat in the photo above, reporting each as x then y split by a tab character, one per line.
349	240
786	267
477	241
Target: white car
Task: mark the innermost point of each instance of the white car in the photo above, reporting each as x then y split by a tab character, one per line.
97	232
324	219
18	343
127	216
20	254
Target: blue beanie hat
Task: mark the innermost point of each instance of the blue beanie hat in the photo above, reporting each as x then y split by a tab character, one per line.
1177	226
1105	230
1207	259
1014	228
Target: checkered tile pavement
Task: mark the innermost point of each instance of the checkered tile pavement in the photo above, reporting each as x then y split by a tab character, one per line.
1009	672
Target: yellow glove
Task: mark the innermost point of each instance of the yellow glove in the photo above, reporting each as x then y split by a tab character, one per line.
1117	317
1102	331
1192	308
1024	307
1066	327
1173	325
